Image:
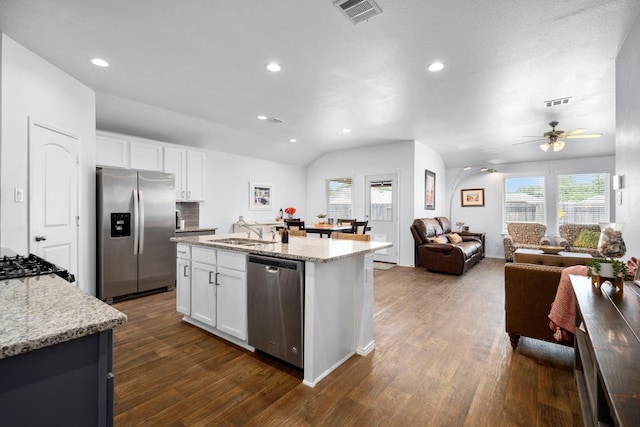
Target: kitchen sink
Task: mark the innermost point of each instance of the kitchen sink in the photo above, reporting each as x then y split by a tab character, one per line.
241	242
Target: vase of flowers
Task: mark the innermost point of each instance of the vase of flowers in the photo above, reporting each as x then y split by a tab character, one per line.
290	211
611	244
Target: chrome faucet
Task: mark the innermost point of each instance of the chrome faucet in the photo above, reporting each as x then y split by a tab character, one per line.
259	231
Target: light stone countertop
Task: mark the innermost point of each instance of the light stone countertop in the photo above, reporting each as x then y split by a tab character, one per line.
45	310
299	248
196	229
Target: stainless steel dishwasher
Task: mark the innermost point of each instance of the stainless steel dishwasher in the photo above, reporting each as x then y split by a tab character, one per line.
275	303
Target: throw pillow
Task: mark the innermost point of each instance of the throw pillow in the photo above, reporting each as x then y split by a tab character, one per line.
587	239
440	239
454	238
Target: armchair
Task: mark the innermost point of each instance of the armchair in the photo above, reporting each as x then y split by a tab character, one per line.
527	235
569	234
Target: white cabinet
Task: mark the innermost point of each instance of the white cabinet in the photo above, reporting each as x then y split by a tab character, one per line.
218	291
146	156
203	292
189	167
183	279
112	151
232	294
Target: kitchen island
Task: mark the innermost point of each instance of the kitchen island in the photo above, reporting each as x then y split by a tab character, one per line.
55	354
338	294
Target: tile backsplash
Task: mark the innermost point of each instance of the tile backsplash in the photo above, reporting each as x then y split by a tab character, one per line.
190	212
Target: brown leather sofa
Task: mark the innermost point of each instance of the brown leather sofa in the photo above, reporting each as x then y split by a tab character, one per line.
450	258
529	291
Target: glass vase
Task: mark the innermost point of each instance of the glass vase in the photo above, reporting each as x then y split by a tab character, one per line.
611	244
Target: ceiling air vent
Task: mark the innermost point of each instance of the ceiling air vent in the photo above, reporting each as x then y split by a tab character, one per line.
358	11
556	102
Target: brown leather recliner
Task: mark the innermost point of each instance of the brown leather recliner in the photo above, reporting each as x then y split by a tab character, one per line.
450	258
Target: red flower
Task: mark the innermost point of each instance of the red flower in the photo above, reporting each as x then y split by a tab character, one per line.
290	210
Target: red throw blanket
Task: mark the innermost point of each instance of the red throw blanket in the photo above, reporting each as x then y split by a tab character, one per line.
563	309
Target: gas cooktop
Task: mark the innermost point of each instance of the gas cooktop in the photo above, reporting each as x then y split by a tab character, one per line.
16	267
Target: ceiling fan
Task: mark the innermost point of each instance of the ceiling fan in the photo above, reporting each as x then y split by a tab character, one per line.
554	138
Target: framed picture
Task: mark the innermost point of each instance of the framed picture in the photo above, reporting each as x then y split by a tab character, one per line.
473	197
260	196
429	190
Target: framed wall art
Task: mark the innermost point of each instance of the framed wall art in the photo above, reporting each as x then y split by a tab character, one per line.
472	197
429	190
260	196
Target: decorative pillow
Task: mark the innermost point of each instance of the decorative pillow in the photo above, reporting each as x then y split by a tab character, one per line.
439	239
587	239
454	238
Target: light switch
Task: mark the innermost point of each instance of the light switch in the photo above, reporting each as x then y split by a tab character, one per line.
18	195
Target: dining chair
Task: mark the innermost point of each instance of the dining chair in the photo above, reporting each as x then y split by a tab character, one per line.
351	236
343	221
295	225
359	227
299	233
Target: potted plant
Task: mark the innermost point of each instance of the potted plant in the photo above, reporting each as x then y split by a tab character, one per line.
600	269
321	218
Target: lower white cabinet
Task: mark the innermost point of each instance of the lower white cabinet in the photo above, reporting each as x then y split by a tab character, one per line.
183	279
203	292
232	302
217	290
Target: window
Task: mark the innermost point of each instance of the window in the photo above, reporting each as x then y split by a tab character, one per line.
381	197
339	191
583	198
524	199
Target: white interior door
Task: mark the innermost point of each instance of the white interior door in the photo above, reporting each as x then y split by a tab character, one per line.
381	206
53	196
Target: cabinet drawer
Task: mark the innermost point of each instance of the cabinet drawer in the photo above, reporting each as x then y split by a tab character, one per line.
183	251
207	256
233	260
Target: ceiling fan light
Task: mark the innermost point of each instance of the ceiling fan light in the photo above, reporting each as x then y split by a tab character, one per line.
558	146
545	147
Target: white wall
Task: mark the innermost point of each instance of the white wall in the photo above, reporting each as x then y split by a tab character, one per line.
228	177
489	218
357	164
628	138
31	87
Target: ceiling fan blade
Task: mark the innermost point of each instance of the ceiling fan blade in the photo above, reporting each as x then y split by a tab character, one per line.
584	135
574	132
533	140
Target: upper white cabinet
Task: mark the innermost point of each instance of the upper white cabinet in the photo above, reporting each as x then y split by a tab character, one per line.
112	151
189	167
146	156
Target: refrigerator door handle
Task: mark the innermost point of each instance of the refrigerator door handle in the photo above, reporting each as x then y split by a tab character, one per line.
141	228
136	217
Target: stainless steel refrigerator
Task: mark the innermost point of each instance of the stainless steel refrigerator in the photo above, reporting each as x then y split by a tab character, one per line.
135	220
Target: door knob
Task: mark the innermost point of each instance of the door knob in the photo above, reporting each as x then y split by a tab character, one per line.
40	238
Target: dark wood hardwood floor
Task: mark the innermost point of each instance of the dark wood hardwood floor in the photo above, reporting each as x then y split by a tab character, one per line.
442	358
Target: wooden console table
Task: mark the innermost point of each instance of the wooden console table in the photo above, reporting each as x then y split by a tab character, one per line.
607	353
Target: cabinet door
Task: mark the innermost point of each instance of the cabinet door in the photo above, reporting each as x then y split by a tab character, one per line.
203	292
232	302
196	175
175	162
146	156
183	285
112	152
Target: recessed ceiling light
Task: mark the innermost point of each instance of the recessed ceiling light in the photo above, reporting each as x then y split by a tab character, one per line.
273	67
293	140
262	117
436	66
99	62
346	130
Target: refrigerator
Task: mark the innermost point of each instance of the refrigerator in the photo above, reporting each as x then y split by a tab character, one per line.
135	220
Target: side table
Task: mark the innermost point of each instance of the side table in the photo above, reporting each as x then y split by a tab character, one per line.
481	235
